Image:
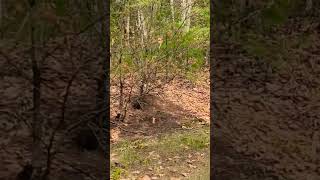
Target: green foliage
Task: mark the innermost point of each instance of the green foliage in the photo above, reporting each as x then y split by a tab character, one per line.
129	153
116	173
177	142
162	45
134	152
194	143
202	15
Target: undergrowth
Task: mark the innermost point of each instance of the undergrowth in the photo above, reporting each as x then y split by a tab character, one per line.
148	152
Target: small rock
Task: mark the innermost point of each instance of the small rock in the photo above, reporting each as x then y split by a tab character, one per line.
173	170
192	166
184	174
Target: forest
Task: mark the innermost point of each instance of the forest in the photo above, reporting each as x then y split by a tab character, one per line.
164	89
159	89
62	60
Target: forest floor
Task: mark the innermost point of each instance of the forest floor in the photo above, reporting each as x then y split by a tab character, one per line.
168	138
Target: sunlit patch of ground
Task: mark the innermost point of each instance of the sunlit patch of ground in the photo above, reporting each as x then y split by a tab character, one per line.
169	137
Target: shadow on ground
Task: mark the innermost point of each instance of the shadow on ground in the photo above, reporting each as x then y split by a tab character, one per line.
157	116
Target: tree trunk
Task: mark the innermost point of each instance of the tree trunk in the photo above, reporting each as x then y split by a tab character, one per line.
183	11
186	13
143	23
172	9
128	30
142	27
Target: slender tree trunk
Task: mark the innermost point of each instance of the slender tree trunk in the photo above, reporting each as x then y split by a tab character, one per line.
172	9
121	104
186	18
143	36
128	30
186	13
183	11
189	7
142	27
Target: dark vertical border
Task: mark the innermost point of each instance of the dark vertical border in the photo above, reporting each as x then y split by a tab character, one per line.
106	88
212	88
